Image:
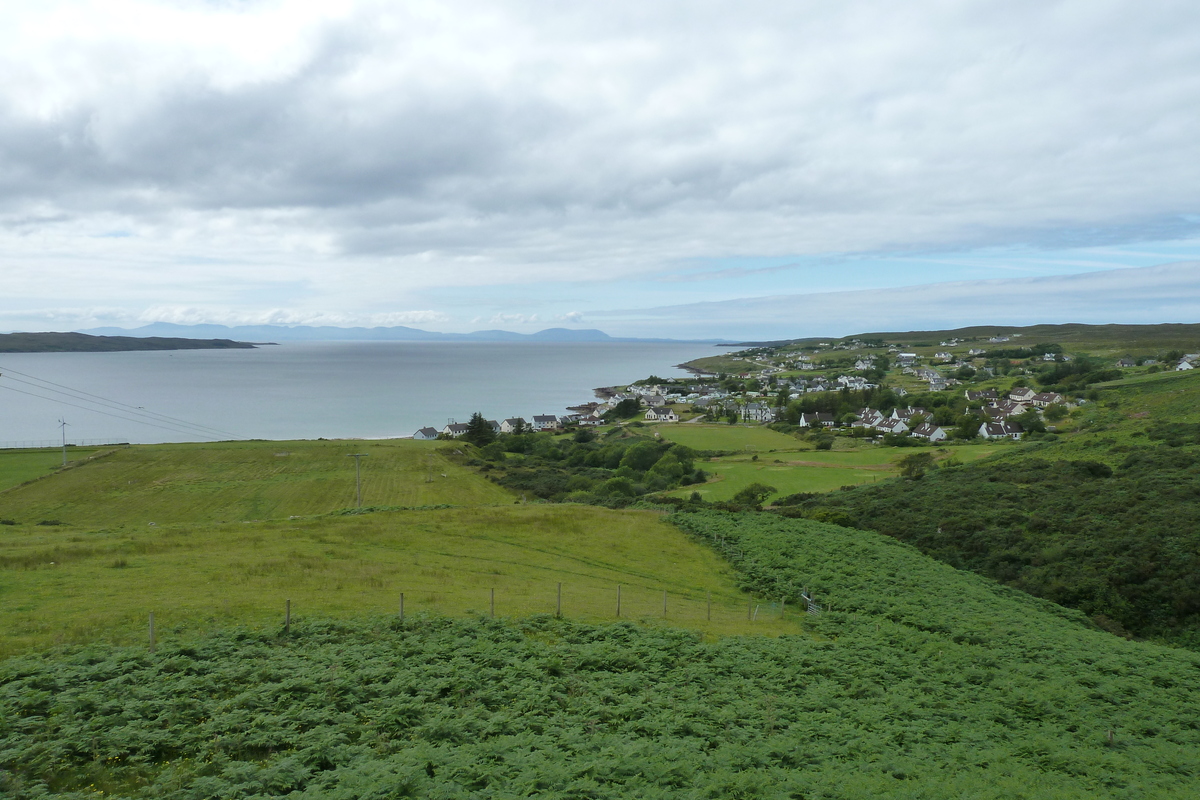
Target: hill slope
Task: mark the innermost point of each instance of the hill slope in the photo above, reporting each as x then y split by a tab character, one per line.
924	682
229	481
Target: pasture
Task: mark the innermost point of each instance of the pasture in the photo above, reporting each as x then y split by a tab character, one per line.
69	585
19	466
745	438
814	470
235	481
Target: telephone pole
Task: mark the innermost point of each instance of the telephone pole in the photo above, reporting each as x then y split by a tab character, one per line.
62	423
358	457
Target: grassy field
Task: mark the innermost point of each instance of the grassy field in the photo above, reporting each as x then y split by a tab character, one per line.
748	438
19	466
814	470
64	585
226	482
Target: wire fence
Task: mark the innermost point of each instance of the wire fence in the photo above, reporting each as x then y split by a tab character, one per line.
42	444
619	602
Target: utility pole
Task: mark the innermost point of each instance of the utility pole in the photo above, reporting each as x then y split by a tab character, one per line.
62	423
358	457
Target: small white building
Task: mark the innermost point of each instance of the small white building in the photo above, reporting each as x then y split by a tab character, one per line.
930	432
1000	430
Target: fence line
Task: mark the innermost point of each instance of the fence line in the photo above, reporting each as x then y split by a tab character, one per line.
778	611
44	444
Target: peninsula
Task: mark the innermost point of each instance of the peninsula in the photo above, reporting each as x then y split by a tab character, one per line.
83	343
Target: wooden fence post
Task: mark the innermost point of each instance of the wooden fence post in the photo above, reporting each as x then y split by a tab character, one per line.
558	608
151	631
287	618
709	607
618	601
402	606
664	603
493	602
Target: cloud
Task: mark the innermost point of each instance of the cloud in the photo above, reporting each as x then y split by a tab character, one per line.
468	143
507	319
183	315
570	316
1163	293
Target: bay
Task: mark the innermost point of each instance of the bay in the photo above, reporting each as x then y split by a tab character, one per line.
310	390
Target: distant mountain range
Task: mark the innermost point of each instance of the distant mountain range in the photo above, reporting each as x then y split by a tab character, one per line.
399	333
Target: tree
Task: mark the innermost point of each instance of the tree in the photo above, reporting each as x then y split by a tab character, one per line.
1056	412
479	431
641	457
914	467
754	494
967	426
624	409
1030	421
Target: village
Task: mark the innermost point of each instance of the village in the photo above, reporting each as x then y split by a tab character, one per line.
963	387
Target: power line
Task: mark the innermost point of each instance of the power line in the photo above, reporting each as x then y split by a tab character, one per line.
105	413
111	403
86	397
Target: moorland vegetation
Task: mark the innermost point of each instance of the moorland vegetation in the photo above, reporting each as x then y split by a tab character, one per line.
911	676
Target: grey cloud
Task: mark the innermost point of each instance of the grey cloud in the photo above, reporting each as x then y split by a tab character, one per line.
635	134
1163	293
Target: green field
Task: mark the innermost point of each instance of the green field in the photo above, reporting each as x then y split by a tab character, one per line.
234	481
19	466
747	438
813	470
915	681
70	586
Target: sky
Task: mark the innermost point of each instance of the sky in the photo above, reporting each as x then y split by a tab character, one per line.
682	169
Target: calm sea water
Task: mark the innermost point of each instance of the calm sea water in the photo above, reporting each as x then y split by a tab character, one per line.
310	390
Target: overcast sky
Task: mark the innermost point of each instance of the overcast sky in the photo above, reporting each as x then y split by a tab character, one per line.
459	165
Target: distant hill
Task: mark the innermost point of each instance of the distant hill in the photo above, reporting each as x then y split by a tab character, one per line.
1100	338
398	333
84	343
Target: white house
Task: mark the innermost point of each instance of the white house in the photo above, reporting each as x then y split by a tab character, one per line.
1021	394
511	424
426	433
665	414
456	429
1046	399
1000	430
906	414
544	422
757	412
929	432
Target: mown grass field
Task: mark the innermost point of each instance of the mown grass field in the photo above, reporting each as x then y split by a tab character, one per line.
66	585
747	438
235	481
19	466
814	470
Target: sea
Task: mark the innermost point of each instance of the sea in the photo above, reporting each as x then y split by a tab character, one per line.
309	390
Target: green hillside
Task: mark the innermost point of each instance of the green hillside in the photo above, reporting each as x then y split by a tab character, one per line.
1095	339
1098	519
64	585
920	682
232	481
